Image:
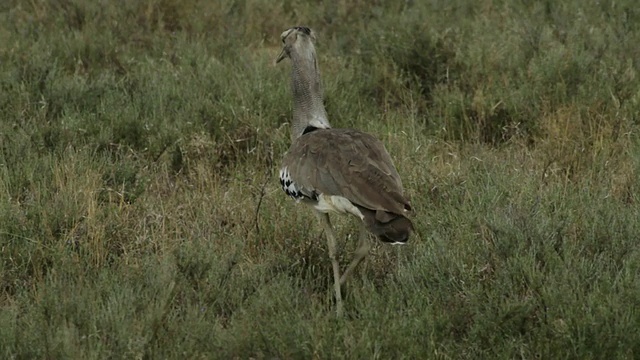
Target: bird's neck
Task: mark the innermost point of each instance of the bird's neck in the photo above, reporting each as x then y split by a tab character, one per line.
308	109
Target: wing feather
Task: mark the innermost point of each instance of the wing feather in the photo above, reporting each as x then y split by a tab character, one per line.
347	163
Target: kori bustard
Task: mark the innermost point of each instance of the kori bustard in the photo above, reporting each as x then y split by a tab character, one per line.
337	170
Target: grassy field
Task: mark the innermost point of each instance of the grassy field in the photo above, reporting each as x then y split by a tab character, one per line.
141	215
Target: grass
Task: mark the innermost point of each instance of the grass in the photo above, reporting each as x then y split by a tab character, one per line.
141	215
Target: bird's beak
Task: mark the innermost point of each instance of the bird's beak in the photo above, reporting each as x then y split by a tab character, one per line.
283	54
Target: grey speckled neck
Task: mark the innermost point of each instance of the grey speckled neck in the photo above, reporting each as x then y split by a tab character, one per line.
308	108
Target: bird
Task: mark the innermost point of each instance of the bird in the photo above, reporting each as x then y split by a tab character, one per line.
337	170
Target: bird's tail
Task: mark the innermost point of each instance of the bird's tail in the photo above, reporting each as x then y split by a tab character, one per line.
388	227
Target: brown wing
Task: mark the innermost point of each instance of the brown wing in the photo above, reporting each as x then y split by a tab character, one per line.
347	163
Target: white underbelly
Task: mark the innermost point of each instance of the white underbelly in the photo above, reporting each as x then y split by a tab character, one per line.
339	204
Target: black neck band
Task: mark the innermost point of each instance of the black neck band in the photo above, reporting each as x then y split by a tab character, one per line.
309	129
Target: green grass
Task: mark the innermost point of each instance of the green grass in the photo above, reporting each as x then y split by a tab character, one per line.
141	216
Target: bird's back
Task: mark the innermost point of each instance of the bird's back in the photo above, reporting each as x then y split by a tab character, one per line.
349	164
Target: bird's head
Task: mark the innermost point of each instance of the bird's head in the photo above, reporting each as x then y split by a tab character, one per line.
297	40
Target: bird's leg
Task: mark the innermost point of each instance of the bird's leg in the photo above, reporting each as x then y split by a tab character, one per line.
331	242
364	245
